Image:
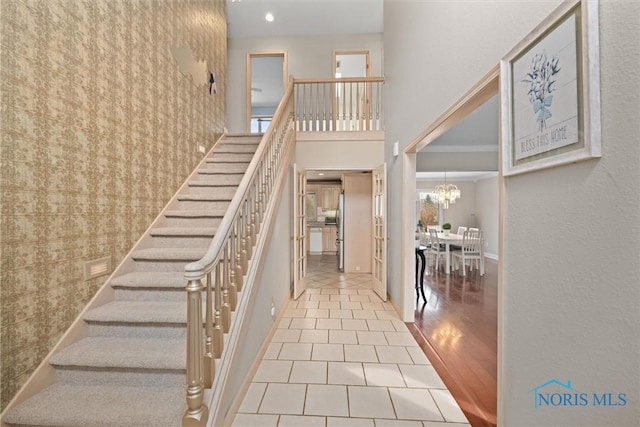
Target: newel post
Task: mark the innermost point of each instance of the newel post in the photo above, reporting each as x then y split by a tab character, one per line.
197	413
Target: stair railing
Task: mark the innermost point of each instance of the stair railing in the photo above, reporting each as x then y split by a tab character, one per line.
339	104
225	264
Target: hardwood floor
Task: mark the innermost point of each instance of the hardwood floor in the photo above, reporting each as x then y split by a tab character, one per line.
457	329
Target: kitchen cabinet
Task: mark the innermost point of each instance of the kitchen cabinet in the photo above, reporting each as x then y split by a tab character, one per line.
330	195
329	240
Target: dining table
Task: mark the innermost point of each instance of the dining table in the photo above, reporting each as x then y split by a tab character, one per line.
454	239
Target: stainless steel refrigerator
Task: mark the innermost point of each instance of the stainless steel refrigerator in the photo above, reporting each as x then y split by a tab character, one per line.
340	228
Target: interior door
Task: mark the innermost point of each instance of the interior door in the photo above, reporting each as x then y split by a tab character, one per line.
351	100
299	230
379	263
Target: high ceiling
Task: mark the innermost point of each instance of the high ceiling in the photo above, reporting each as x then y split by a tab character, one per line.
246	18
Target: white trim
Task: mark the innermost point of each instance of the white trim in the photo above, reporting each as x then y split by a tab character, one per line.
491	256
408	235
461	149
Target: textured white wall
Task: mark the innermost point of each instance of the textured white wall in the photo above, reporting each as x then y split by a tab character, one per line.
487	213
272	285
570	286
308	57
339	154
435	162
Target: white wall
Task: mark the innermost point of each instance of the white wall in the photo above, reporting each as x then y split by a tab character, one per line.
570	291
272	285
308	57
487	213
340	154
436	162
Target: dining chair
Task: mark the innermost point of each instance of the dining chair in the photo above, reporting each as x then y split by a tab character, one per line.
460	232
471	250
436	249
424	238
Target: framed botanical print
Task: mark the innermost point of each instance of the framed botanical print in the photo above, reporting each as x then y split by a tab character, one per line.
550	92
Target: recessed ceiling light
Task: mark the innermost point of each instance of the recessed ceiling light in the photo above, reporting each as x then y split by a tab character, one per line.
321	174
269	17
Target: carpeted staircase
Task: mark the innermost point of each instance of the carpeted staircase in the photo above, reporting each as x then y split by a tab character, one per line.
129	369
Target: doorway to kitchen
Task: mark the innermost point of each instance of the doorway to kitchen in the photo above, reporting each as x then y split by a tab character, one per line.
341	216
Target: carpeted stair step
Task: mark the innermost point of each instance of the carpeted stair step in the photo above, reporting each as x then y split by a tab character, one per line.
225	180
204	201
101	406
182	237
236	148
223	168
194	218
158	313
151	280
111	360
123	353
209	188
166	259
150	286
230	158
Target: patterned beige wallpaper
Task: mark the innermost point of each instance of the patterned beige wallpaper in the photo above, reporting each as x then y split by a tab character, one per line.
98	129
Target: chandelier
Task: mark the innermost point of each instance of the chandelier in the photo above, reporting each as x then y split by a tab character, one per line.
446	193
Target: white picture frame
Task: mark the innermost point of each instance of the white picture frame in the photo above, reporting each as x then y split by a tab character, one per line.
550	92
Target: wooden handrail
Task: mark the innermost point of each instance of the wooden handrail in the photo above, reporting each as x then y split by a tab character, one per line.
195	270
226	262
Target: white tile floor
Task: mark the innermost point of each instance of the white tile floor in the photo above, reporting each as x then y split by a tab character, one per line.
342	357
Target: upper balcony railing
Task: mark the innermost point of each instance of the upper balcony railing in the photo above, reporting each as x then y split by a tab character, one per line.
340	104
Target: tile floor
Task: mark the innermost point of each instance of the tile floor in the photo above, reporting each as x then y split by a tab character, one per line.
342	357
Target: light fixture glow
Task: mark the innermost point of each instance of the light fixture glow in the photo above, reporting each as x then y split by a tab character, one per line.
269	17
321	174
446	193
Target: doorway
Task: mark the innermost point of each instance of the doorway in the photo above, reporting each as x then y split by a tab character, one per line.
266	81
480	410
351	99
346	210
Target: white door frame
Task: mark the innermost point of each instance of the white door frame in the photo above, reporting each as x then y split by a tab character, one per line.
487	87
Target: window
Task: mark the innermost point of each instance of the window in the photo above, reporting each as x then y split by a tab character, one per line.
428	209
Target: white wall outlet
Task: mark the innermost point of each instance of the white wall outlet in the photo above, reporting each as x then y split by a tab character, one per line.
396	148
358	268
201	149
273	310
